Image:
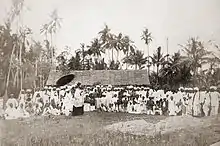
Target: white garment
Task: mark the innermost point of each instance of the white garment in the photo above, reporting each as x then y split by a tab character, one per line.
22	98
196	105
11	113
207	103
215	98
12	101
47	111
130	106
214	102
78	98
172	108
87	107
45	98
54	111
22	113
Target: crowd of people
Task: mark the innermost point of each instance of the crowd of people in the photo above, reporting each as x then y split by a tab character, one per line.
75	99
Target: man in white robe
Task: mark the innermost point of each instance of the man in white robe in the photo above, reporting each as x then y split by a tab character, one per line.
190	96
196	103
215	96
12	101
205	102
78	101
172	107
68	103
10	112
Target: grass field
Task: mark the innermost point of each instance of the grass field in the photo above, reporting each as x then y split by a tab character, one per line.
89	130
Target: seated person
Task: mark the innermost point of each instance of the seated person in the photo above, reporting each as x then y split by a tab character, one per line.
10	112
157	109
38	109
104	108
30	109
22	113
54	110
47	110
130	107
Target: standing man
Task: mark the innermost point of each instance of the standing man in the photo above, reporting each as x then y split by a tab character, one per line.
214	95
172	107
196	103
78	101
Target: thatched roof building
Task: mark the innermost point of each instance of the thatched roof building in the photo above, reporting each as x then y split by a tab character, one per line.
105	77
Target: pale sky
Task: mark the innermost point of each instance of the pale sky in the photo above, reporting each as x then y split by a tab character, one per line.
83	19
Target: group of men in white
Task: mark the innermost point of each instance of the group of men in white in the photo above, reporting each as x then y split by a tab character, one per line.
66	99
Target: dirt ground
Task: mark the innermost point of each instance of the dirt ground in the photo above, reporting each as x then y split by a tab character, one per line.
96	128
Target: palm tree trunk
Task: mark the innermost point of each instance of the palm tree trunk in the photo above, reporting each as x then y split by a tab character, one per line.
7	79
126	63
15	79
51	48
35	81
148	61
46	35
157	74
112	54
117	54
21	75
83	55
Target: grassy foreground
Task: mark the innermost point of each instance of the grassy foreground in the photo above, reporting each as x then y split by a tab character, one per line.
89	130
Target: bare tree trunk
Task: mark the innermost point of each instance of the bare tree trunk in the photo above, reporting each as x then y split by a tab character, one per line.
7	79
20	60
15	79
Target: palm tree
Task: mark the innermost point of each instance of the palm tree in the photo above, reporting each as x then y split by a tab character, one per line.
119	44
171	71
24	32
95	48
107	40
136	58
128	46
158	59
17	6
147	37
44	30
82	45
53	26
112	44
15	10
196	55
104	34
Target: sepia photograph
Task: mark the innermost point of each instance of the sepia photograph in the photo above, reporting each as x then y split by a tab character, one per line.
109	72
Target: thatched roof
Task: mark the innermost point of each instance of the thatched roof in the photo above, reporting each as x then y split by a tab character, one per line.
105	77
